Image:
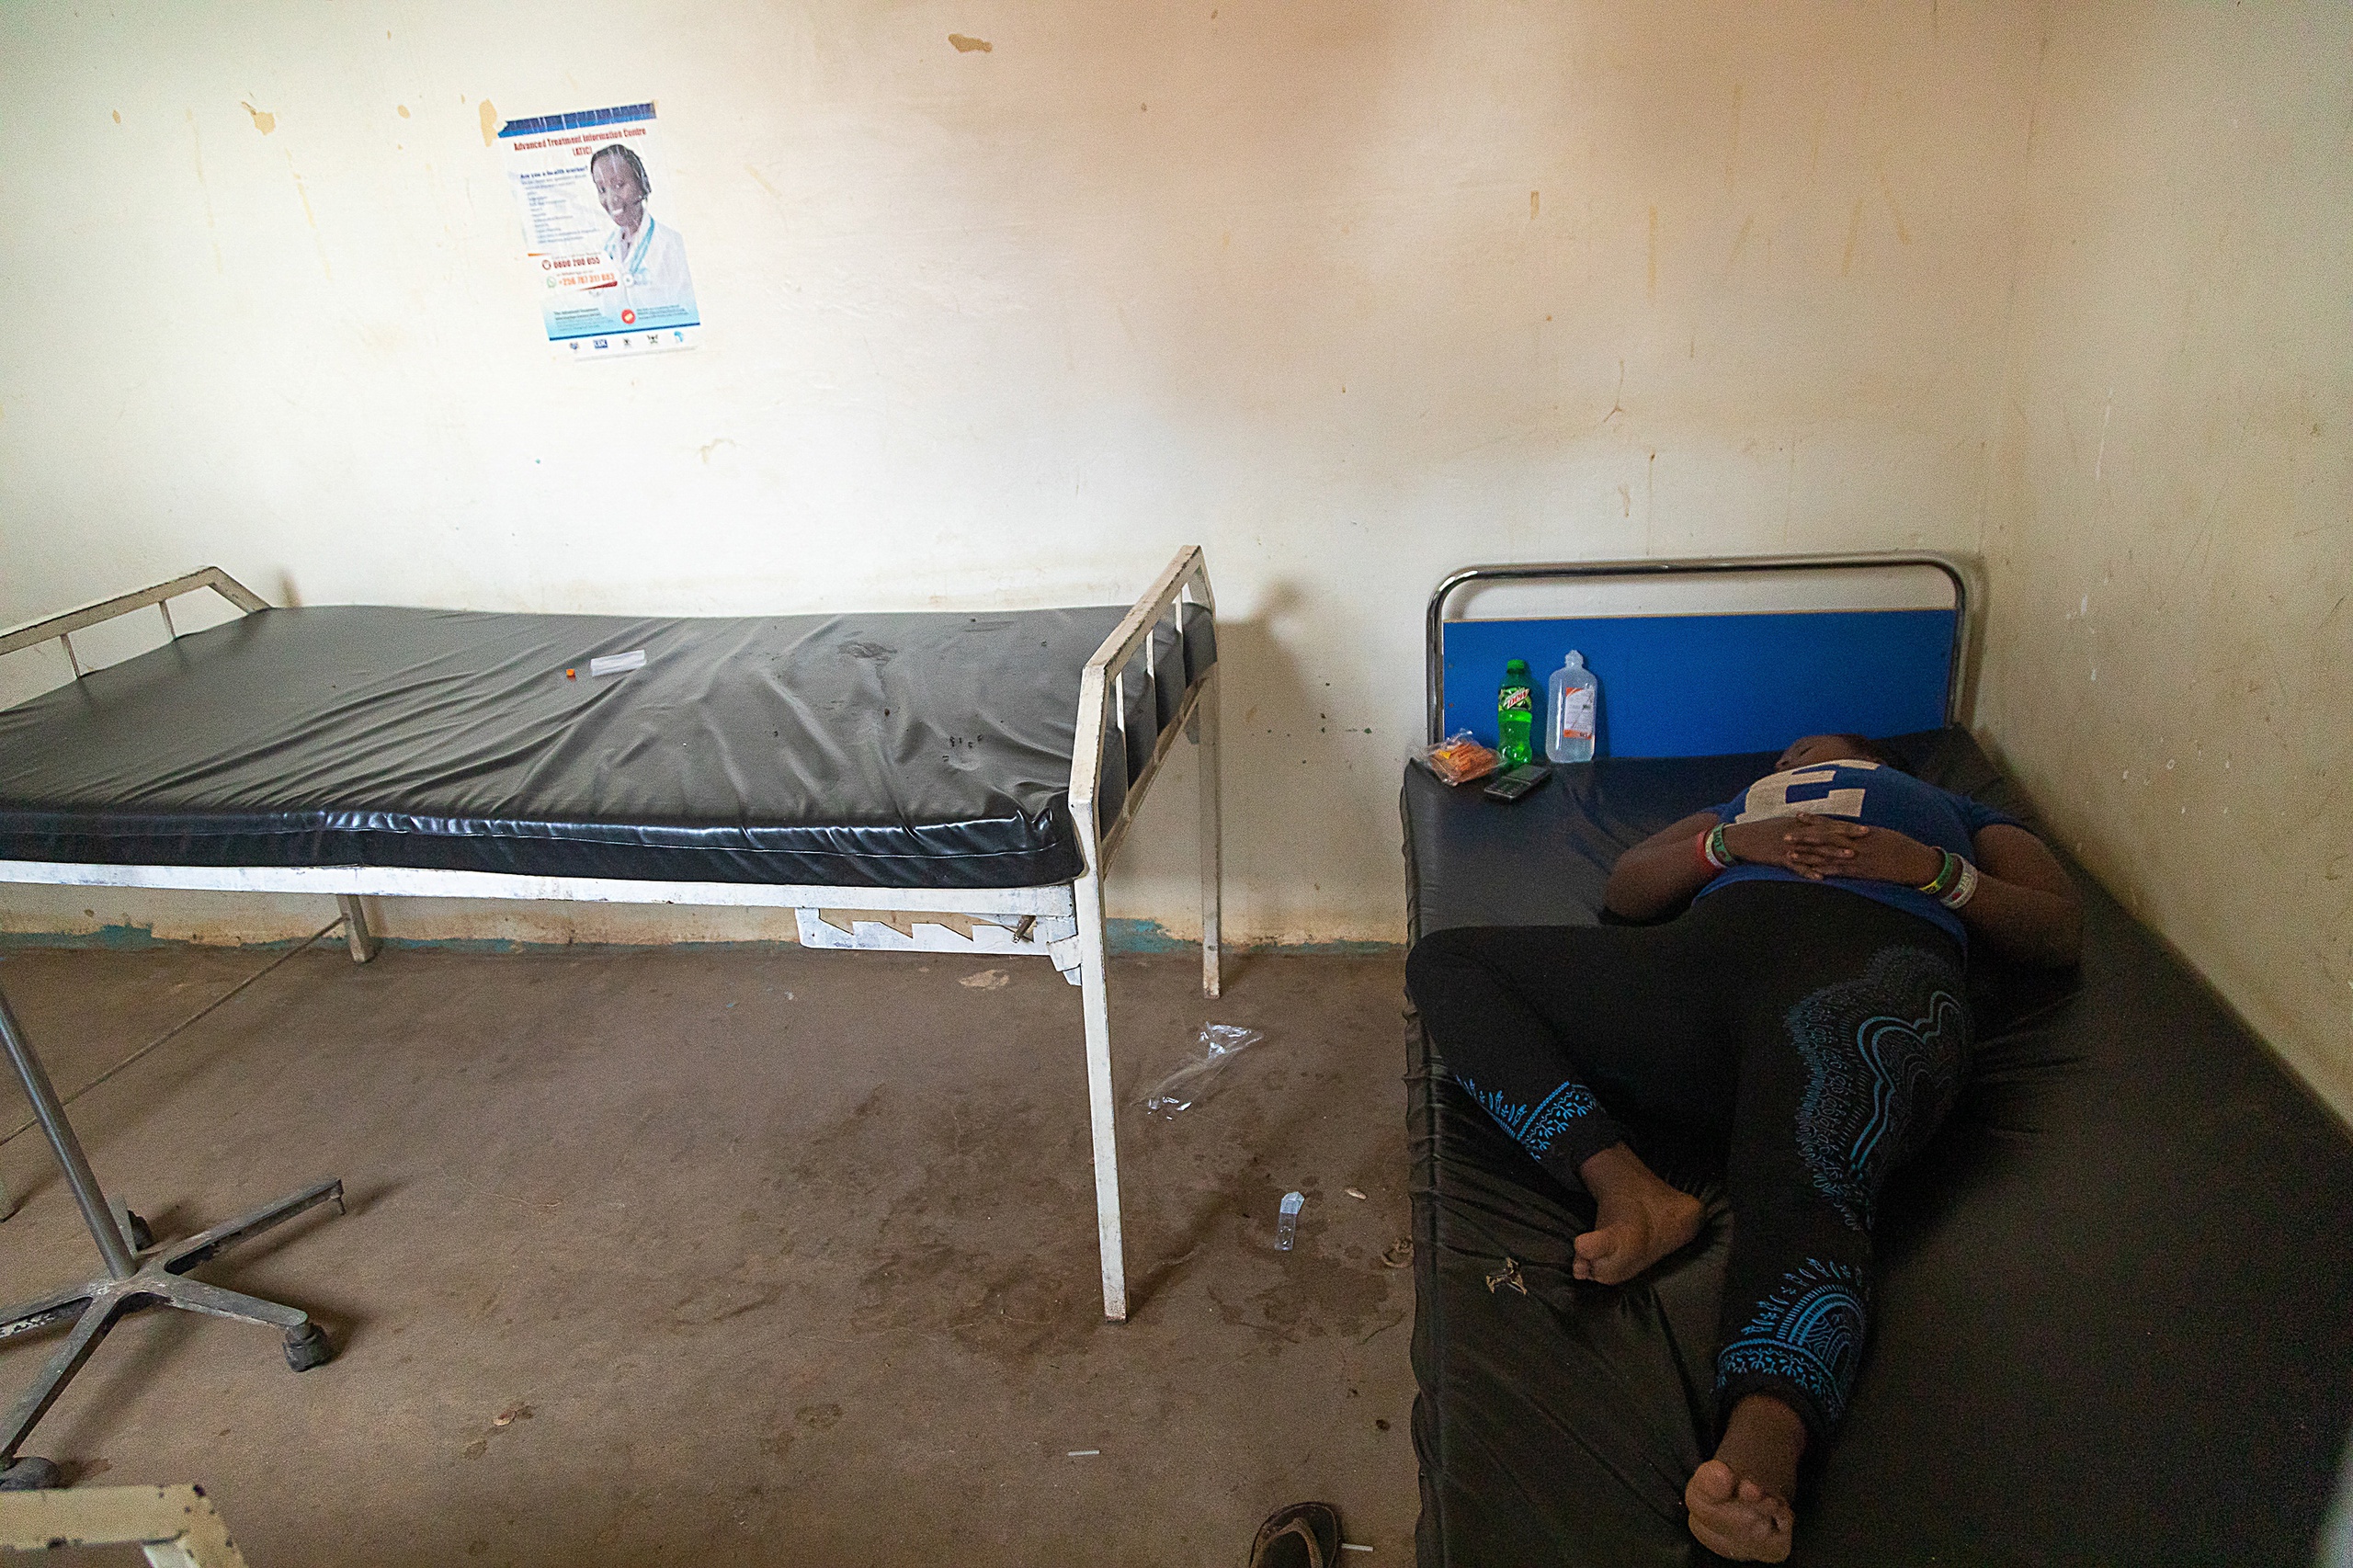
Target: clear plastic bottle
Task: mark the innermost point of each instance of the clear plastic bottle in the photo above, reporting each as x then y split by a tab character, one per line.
1515	717
1575	694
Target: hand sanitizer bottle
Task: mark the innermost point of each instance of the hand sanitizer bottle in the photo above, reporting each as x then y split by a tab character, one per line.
1569	736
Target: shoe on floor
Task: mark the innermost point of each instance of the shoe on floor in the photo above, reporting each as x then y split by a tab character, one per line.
1303	1535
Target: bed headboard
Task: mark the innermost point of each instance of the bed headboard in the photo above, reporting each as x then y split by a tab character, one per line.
1806	645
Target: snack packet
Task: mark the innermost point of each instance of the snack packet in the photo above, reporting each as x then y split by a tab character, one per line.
1458	759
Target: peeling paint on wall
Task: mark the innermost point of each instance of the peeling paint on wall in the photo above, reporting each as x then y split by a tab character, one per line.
212	229
1903	235
970	45
489	123
264	121
1732	147
309	217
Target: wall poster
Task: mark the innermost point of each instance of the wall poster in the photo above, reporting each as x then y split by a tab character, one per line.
611	274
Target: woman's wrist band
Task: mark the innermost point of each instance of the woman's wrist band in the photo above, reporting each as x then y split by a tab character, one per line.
1964	888
1714	852
1955	882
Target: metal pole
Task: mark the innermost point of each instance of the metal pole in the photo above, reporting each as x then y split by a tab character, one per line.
1212	850
1093	978
356	934
1095	1006
68	1148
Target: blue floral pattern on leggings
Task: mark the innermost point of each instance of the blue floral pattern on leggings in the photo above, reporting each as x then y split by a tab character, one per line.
1809	1333
1884	1055
1536	1127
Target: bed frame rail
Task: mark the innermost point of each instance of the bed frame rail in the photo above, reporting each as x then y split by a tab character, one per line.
60	628
1102	713
1103	710
1434	643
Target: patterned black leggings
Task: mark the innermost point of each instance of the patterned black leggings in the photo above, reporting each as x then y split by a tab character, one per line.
1809	1038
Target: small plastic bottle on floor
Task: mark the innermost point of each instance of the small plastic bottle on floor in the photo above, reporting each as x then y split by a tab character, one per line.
1576	692
1515	717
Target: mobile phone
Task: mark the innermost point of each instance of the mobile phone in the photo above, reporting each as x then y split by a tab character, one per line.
1518	782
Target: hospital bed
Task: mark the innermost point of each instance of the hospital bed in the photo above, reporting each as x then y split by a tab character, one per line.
2111	1325
930	782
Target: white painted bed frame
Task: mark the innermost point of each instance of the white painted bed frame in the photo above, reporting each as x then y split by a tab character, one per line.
1062	921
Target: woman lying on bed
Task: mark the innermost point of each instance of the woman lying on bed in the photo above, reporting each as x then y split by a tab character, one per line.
1805	1016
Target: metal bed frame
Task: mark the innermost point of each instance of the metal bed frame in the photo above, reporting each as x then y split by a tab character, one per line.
1956	572
1062	921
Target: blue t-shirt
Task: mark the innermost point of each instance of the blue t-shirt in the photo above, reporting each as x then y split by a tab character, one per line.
1877	797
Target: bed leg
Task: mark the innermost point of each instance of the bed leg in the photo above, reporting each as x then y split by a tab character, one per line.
1212	850
1094	1002
355	928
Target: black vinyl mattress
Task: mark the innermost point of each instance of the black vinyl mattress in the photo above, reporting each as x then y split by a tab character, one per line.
2112	1321
916	751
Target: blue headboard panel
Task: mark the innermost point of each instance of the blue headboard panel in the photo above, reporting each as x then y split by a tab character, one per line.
1702	685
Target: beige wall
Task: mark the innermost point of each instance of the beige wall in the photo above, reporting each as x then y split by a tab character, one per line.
1351	292
2170	507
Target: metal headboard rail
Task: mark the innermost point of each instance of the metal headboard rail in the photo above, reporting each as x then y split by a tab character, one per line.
61	628
1102	700
1955	568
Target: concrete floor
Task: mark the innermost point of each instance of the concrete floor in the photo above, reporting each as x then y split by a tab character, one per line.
732	1255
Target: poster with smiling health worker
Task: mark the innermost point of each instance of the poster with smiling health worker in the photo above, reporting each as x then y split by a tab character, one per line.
610	269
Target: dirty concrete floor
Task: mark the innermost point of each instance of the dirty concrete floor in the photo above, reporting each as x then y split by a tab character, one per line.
732	1255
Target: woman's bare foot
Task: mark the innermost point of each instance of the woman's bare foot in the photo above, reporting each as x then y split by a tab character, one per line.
1740	1499
1637	1219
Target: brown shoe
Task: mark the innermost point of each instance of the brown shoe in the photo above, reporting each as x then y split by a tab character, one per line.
1304	1535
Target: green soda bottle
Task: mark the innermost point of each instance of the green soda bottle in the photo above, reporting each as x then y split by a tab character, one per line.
1514	716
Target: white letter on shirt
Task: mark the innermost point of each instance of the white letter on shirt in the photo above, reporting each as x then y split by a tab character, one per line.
1769	798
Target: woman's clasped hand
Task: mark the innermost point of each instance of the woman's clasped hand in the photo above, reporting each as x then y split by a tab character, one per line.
1816	848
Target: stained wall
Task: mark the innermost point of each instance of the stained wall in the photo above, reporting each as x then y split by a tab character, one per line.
1351	292
2169	527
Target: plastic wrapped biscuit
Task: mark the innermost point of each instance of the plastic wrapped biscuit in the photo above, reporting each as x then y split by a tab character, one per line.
1458	759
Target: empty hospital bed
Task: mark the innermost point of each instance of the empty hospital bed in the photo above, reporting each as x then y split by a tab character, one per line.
946	782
